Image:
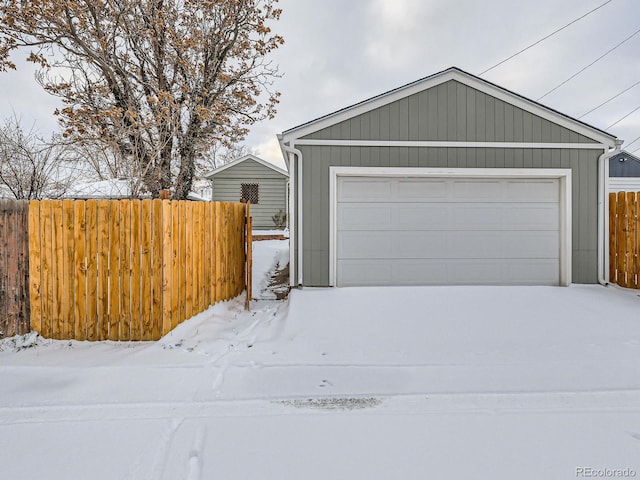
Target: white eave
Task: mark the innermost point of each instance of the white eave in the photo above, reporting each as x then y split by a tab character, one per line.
244	159
431	81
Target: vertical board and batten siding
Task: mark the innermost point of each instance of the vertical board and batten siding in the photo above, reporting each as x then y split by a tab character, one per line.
130	269
449	112
630	167
272	190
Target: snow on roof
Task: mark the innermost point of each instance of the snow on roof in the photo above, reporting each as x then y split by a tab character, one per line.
244	159
112	189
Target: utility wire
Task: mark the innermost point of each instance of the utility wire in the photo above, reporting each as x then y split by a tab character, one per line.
619	120
631	143
596	60
607	101
544	38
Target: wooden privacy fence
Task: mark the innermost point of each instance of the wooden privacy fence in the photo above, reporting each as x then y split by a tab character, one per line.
624	239
130	269
14	268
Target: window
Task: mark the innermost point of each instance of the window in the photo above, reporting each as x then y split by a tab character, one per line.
249	192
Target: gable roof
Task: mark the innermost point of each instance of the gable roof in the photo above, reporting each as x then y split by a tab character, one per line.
244	159
624	164
452	73
626	156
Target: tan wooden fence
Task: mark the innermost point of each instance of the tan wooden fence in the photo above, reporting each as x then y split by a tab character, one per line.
14	268
624	239
130	269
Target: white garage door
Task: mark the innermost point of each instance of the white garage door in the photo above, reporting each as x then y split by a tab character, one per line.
447	231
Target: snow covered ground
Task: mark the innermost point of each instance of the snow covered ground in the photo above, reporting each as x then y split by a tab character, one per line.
358	383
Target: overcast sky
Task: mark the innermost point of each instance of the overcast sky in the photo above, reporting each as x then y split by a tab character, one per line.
339	52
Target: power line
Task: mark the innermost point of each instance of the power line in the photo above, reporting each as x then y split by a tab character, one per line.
596	60
619	120
607	101
632	142
544	38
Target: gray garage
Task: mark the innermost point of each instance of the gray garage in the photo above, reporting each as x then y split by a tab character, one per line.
447	180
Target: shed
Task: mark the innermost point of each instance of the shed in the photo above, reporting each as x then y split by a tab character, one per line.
449	180
624	172
261	182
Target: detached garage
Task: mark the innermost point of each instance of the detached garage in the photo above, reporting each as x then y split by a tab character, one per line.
450	180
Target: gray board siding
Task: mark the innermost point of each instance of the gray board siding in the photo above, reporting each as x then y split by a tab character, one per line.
450	111
628	168
272	190
250	169
271	195
318	159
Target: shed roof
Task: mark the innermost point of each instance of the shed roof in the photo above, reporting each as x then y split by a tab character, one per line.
452	73
244	159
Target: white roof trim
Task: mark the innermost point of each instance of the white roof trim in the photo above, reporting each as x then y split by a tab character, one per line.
244	159
448	144
435	80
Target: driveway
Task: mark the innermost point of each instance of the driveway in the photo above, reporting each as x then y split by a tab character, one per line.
376	383
385	341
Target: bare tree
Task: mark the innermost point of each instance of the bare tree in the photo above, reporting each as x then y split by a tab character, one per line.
107	163
30	167
220	155
159	81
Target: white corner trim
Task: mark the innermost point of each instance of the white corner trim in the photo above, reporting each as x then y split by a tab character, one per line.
563	174
448	144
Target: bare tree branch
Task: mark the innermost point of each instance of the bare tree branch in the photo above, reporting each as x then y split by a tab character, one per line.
159	82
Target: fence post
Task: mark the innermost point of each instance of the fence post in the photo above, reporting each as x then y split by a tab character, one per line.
249	255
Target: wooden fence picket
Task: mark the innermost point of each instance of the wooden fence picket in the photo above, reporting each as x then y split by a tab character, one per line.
123	269
624	239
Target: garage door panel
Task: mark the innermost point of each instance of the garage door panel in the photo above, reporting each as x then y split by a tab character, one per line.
366	216
502	217
447	231
443	216
538	190
364	190
384	216
477	190
446	244
452	272
419	190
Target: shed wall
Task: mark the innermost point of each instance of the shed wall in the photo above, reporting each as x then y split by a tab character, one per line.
272	197
272	190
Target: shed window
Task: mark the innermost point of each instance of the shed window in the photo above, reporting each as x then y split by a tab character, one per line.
250	192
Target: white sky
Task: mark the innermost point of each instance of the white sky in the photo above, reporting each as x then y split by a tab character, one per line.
339	52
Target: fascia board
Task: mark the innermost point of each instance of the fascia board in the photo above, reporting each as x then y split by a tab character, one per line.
244	159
